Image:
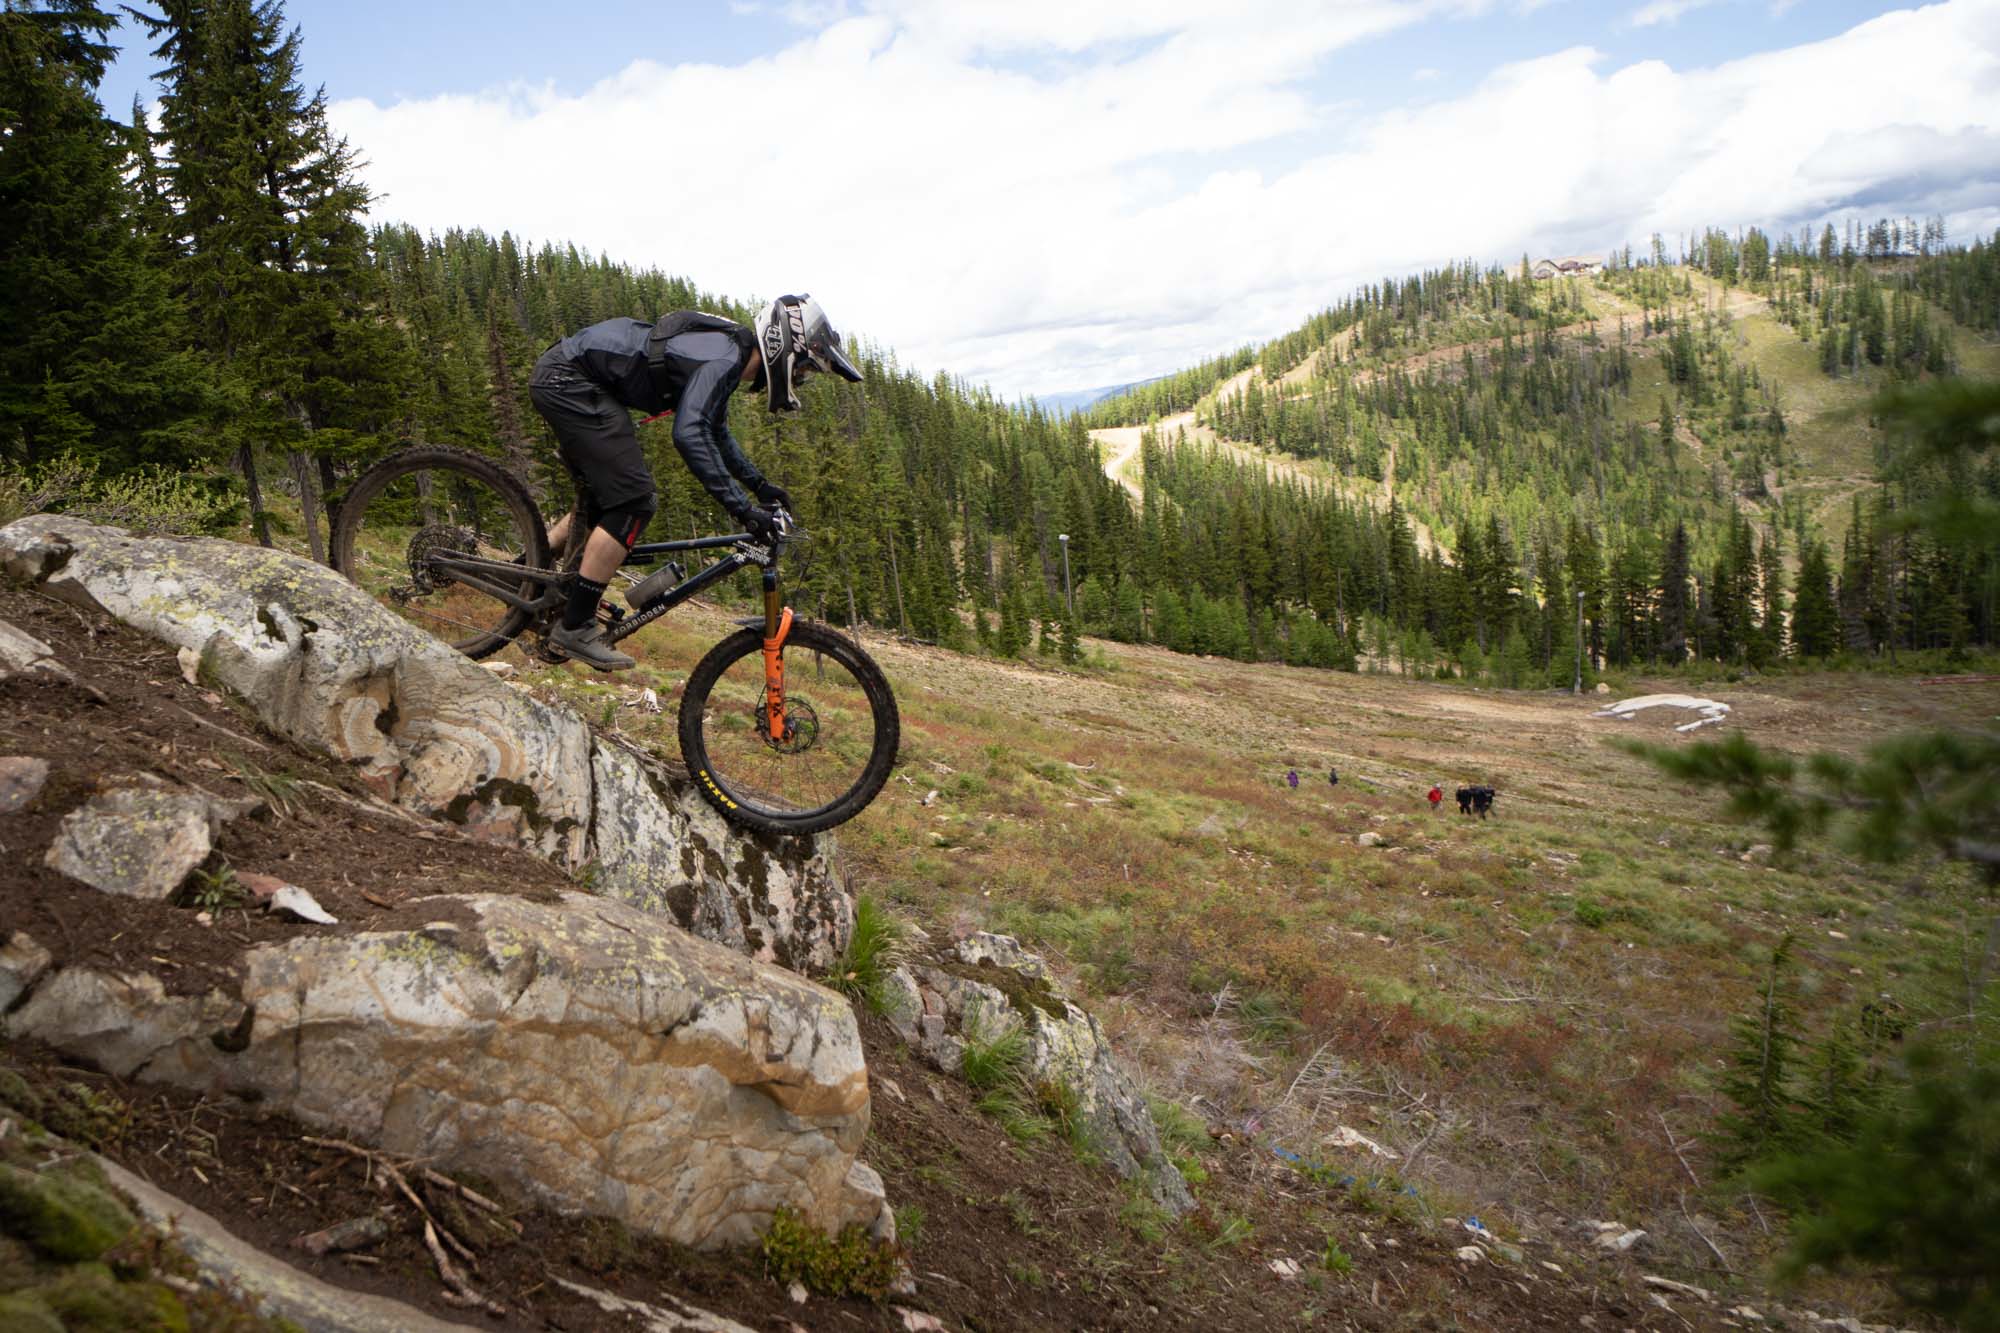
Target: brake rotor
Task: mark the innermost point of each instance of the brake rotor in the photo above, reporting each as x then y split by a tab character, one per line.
801	726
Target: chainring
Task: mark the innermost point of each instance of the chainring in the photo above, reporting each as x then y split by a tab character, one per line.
801	726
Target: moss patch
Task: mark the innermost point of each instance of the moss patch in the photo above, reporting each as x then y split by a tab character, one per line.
1024	994
67	1213
89	1297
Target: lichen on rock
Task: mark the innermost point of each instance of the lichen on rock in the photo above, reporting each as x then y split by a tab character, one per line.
599	1058
138	842
323	664
986	982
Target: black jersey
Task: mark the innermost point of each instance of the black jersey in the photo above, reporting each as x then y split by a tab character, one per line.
687	364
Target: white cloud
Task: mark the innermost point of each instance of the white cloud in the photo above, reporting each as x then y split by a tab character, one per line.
1664	11
919	168
1655	12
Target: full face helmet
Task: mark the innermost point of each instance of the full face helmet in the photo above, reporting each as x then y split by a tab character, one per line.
797	340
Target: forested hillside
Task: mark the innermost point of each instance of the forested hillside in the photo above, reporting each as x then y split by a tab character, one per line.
206	327
1687	444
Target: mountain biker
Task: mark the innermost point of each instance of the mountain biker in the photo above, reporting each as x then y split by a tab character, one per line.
688	363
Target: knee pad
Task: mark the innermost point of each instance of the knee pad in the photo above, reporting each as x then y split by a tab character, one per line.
628	520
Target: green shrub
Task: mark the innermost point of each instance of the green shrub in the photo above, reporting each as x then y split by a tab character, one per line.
878	944
214	890
994	1059
1011	1106
1145	1218
850	1264
147	500
1230	1231
909	1225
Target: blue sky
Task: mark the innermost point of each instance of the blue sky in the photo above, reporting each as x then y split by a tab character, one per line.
1048	194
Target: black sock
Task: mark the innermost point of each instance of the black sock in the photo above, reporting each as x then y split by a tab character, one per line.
583	600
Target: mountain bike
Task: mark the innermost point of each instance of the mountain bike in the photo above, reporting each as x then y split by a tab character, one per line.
786	725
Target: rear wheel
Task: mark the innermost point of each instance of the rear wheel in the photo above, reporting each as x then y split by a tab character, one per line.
841	728
421	503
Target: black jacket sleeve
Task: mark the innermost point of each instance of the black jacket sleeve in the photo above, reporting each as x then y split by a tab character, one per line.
701	433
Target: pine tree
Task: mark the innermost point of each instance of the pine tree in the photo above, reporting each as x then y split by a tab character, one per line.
93	360
1070	647
267	204
1763	1044
1673	614
1815	618
1012	638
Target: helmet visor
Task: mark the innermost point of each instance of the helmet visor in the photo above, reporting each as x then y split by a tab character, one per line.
834	361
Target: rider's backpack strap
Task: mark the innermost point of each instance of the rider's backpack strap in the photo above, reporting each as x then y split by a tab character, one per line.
686	321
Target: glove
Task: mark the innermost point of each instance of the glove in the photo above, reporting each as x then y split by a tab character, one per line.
774	495
761	524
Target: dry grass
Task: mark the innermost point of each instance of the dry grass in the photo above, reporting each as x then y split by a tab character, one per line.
1522	1000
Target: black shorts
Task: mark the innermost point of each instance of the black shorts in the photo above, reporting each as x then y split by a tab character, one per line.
595	436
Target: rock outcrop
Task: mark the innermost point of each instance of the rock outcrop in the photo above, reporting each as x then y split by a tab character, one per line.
325	665
140	842
595	1056
986	984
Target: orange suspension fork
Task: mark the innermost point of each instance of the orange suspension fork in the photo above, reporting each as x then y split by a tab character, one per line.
777	624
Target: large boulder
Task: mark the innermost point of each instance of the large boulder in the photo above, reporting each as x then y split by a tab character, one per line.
987	983
325	665
595	1056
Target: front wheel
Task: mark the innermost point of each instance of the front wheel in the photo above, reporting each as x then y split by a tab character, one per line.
841	731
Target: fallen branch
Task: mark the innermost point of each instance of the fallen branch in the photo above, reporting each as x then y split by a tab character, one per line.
1410	1158
1719	1255
395	1176
236	736
472	1196
460	1292
1671	1143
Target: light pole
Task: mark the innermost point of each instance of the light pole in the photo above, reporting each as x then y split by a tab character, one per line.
1578	687
1069	603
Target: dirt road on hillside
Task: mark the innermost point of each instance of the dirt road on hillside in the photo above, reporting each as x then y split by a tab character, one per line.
1121	444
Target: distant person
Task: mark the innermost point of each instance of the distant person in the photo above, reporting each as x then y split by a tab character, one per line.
1333	777
1465	800
1292	778
1435	797
688	363
1482	801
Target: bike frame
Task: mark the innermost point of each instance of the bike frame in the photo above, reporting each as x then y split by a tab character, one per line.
500	579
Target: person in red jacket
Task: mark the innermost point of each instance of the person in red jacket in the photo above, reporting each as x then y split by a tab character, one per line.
1436	797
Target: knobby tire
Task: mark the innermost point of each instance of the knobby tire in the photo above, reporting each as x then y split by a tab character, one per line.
521	506
743	805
